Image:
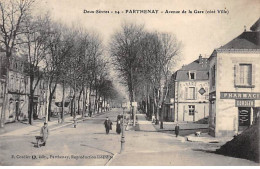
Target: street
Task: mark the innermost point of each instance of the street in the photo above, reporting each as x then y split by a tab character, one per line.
88	139
87	144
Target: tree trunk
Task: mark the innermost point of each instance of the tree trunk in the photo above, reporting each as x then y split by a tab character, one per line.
80	93
84	102
72	106
31	104
63	101
96	103
89	101
105	105
30	113
47	101
50	101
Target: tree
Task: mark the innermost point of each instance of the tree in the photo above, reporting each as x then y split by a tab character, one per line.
34	47
160	53
144	60
124	49
60	48
12	15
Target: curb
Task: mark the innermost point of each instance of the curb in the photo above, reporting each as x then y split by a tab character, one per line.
110	160
66	124
180	129
191	138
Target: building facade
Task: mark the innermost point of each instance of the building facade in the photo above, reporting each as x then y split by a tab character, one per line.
235	84
2	81
191	91
17	105
17	99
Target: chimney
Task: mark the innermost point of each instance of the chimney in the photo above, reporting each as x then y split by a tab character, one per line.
200	59
244	28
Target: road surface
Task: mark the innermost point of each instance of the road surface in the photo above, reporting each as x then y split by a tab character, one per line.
89	145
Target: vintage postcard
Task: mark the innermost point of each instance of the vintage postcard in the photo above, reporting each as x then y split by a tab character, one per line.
129	83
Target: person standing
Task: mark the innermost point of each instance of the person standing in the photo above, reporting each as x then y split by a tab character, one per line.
108	125
45	133
119	123
90	112
177	129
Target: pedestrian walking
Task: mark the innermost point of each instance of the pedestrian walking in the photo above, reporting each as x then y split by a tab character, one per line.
45	133
177	129
108	125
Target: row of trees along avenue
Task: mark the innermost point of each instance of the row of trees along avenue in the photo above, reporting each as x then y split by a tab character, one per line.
55	53
144	61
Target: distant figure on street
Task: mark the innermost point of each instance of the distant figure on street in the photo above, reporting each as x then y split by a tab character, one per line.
119	123
45	133
177	129
90	112
108	107
108	125
119	117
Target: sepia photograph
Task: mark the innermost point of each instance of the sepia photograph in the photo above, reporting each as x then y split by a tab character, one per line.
129	83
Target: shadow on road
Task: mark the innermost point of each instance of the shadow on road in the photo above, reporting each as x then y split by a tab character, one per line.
34	144
106	134
97	148
205	151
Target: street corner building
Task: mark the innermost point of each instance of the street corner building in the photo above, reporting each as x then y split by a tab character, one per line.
191	91
234	76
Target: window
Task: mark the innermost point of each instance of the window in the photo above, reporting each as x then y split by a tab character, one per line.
191	93
17	84
191	75
191	110
12	83
245	74
22	85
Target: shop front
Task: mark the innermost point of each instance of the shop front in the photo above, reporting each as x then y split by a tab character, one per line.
247	107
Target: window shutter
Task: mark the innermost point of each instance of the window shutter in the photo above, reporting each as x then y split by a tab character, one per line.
196	93
236	74
186	93
253	74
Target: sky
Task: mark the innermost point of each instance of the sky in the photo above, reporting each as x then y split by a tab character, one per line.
199	33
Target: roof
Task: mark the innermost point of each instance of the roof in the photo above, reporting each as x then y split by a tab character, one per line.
184	75
195	65
256	26
247	40
201	70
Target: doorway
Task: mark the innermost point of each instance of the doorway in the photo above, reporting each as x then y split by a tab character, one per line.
243	118
17	111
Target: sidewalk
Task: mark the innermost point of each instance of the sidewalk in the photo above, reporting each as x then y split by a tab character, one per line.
147	148
27	128
22	128
143	124
170	126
